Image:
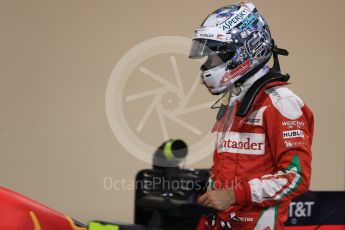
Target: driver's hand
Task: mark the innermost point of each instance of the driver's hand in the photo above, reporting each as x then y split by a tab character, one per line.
218	199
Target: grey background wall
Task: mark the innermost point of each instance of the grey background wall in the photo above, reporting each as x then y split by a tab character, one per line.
56	57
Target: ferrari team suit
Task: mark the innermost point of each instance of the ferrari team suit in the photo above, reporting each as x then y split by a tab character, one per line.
265	157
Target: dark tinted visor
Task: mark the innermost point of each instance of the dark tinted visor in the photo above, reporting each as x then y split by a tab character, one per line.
205	47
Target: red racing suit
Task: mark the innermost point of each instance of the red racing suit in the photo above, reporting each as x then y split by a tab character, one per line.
265	157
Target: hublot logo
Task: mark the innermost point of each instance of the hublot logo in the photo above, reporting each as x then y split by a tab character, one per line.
293	134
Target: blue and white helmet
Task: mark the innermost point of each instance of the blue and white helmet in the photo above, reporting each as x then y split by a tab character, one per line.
237	43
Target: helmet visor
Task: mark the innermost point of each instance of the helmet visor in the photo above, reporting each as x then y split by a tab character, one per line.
217	53
204	47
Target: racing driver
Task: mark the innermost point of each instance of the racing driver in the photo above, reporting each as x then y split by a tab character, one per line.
262	157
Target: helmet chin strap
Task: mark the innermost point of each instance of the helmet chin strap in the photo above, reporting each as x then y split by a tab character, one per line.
277	51
225	100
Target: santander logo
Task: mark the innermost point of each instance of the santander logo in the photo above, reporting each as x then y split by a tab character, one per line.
242	143
236	72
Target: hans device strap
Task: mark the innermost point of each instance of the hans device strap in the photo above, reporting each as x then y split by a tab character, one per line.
253	91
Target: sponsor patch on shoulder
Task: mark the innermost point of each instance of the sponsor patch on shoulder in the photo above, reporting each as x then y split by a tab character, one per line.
286	102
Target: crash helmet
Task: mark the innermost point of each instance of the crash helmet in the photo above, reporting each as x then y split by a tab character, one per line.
236	42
